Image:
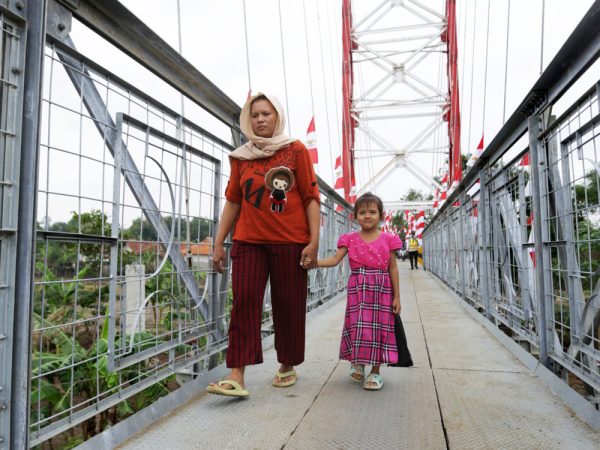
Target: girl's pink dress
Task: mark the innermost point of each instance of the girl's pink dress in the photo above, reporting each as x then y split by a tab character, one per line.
368	335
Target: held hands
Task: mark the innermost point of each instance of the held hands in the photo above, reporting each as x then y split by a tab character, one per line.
396	307
218	259
308	259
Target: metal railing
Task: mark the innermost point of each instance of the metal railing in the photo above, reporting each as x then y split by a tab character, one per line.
519	239
124	304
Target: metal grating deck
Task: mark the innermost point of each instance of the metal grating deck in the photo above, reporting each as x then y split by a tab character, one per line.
464	381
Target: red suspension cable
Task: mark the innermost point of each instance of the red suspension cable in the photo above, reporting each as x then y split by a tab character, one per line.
453	115
348	123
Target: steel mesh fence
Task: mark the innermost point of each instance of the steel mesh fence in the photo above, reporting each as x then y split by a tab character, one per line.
497	266
126	303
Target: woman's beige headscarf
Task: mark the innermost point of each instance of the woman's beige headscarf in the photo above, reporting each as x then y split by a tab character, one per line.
259	147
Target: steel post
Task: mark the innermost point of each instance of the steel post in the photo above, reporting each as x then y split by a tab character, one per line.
19	435
544	324
483	219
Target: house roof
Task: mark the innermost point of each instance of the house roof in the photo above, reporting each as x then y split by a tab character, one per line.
204	248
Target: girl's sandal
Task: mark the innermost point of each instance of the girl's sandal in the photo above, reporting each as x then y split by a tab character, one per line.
374	382
357	373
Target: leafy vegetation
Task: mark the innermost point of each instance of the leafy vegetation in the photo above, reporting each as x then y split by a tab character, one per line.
70	321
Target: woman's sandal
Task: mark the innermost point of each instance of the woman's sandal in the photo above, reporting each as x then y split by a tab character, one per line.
374	382
290	374
357	373
237	391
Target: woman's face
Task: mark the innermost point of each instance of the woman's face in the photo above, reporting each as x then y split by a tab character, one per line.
263	117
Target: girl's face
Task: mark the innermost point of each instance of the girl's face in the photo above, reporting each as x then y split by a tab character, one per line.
368	216
263	118
280	183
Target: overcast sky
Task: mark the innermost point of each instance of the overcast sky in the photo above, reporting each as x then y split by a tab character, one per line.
213	39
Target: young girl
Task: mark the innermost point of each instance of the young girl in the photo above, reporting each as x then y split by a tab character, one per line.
373	293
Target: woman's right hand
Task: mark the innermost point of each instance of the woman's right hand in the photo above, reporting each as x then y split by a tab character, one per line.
218	259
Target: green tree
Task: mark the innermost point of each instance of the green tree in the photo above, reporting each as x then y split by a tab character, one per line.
142	230
64	257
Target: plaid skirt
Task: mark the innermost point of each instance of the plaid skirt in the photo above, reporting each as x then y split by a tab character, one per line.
368	336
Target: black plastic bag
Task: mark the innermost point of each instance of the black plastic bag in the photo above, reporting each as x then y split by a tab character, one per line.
404	358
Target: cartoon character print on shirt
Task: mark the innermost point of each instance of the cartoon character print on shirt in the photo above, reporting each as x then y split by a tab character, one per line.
279	180
253	173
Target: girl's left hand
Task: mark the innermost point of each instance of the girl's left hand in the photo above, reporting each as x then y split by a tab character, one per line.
396	307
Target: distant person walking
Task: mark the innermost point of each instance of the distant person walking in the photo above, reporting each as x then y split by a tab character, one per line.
273	200
373	293
412	246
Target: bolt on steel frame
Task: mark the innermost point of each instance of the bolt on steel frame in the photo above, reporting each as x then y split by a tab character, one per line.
519	240
116	292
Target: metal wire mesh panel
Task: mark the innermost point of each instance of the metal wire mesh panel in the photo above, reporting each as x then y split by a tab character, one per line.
128	198
571	233
511	262
324	283
454	243
161	248
471	243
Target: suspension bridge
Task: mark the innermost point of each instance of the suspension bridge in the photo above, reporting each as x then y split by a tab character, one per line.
479	133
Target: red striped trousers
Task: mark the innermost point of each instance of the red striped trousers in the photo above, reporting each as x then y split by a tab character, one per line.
252	266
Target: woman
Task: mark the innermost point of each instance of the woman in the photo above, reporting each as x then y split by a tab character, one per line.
273	200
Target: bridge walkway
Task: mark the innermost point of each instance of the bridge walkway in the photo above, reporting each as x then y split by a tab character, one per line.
465	391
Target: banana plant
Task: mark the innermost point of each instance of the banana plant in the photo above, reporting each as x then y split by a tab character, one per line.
73	375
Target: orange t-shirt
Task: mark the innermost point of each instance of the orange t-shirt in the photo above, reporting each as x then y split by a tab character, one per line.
271	211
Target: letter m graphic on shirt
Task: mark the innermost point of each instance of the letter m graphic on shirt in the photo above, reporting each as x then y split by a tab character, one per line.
249	194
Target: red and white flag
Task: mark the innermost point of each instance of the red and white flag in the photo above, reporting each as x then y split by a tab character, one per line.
339	174
524	163
387	221
475	156
444	193
531	240
411	222
420	225
311	142
473	217
339	179
353	193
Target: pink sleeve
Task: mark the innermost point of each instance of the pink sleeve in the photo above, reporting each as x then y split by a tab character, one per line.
343	241
395	242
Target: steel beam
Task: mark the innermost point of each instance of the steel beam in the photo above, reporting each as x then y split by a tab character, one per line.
119	26
401	204
395	71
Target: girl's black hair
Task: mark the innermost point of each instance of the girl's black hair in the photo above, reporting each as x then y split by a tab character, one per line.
366	199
